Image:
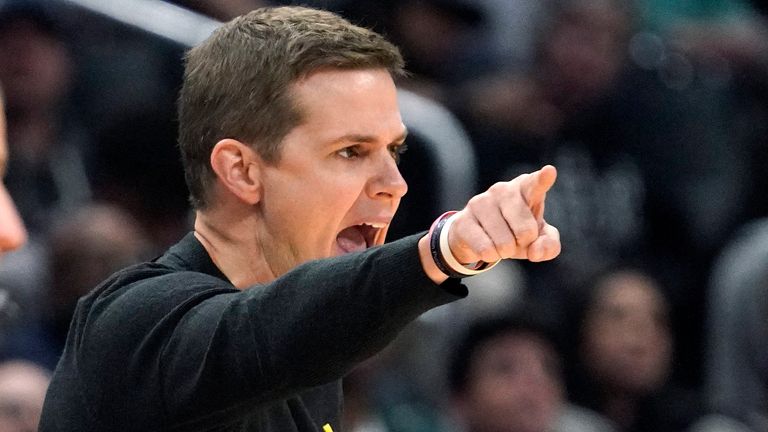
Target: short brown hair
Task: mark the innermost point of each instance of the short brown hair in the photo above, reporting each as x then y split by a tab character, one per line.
237	82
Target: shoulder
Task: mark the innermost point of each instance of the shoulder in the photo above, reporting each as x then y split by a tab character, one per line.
149	283
138	298
128	317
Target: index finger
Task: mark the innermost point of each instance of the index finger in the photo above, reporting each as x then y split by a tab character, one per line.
534	187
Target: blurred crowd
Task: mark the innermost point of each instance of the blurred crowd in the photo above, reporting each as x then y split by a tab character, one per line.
655	112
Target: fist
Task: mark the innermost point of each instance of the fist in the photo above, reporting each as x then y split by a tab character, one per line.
507	221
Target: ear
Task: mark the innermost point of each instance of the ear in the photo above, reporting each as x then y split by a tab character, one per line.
237	167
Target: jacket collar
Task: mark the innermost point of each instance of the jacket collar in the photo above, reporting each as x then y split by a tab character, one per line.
189	254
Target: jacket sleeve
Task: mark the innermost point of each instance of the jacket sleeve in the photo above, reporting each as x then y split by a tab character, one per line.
221	350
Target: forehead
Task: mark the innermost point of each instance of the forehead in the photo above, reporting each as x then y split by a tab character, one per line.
342	99
514	343
629	292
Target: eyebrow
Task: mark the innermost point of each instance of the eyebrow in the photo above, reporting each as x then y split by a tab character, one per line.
367	138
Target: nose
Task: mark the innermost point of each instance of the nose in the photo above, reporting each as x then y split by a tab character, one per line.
12	232
387	182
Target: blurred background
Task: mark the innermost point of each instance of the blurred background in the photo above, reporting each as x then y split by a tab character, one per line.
655	112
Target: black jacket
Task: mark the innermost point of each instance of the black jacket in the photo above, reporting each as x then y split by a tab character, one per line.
172	345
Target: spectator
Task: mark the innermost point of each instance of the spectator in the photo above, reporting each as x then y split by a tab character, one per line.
505	376
46	169
85	247
22	391
621	354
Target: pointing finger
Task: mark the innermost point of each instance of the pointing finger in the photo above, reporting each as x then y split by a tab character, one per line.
536	184
534	189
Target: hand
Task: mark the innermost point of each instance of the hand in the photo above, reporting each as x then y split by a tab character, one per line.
507	221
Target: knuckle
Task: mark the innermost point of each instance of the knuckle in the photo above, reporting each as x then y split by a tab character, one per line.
459	240
489	254
461	232
498	187
473	203
479	201
505	244
508	250
485	249
532	227
526	235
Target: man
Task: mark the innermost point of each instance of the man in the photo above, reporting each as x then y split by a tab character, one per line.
505	375
12	233
290	133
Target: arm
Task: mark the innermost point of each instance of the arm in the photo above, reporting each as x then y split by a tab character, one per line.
219	352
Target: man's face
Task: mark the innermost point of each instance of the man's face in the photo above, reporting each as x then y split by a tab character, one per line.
627	343
12	234
584	53
514	386
337	185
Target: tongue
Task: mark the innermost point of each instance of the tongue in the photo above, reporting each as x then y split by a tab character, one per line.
351	240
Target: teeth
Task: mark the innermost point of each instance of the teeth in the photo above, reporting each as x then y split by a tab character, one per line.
377	225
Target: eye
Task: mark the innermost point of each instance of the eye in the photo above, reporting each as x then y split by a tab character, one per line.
350	152
397	151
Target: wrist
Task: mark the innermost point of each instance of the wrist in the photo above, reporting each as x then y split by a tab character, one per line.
430	269
441	253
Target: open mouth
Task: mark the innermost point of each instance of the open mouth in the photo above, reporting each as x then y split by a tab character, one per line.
358	238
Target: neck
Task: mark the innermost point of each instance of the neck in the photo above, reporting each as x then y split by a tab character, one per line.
239	257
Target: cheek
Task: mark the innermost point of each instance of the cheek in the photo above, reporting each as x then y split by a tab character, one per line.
310	209
338	198
659	355
601	346
324	212
328	208
499	392
509	404
331	188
